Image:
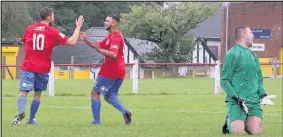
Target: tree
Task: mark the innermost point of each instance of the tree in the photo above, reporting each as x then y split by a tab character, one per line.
35	7
15	18
168	26
17	15
93	12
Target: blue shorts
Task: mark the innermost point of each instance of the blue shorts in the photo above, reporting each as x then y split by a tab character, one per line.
30	80
107	86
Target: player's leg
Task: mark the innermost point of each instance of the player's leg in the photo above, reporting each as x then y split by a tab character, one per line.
238	127
236	119
95	107
233	127
112	98
26	85
254	121
34	107
101	87
254	125
41	81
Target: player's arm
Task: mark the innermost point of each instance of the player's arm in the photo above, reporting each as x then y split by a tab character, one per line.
109	54
74	38
228	68
95	45
100	47
112	52
23	38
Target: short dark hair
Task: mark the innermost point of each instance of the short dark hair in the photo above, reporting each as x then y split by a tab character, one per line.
115	17
45	12
239	30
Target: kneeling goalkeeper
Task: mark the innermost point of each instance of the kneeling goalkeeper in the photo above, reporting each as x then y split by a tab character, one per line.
242	80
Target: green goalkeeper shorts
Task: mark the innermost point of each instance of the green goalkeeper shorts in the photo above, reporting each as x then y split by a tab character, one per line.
235	112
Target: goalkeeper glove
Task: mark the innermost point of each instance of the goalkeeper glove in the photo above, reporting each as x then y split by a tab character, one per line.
266	100
242	104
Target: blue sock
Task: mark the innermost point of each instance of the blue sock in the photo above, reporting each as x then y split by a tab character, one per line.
95	107
33	108
22	101
115	102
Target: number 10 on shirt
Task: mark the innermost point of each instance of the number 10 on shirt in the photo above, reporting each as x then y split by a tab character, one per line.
38	41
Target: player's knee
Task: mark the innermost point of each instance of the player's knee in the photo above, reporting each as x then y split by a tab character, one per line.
106	98
255	131
37	95
23	93
238	131
110	99
95	94
254	125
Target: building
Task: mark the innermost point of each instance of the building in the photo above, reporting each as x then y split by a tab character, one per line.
81	53
265	20
211	36
207	49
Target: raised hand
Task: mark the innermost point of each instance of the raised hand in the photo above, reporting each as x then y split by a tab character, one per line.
80	21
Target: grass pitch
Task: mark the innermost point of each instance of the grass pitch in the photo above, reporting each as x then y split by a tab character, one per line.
181	107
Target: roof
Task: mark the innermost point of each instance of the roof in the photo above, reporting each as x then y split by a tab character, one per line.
81	51
96	33
142	46
210	28
84	54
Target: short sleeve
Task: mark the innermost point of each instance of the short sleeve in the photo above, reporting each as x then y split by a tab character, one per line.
24	37
60	37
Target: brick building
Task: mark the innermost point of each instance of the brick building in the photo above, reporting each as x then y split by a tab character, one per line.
259	16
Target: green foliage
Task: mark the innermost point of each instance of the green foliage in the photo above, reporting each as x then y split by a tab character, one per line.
168	27
17	15
15	18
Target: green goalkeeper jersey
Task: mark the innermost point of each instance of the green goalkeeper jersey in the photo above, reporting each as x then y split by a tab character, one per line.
241	75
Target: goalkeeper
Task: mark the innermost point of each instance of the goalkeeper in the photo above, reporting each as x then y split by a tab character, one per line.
242	80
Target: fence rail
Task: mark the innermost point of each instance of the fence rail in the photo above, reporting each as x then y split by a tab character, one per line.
145	64
137	71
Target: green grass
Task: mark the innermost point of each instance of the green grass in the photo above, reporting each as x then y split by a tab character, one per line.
181	107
